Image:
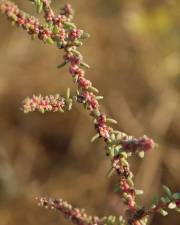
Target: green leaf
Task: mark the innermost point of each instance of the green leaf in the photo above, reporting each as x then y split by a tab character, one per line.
163	212
78	43
75	78
165	200
49	40
93	89
55	29
139	192
110	172
141	154
85	35
143	222
155	202
112	153
75	52
123	154
99	97
96	112
176	196
118	147
167	191
61	110
39	7
68	93
110	120
62	64
113	137
85	65
130	181
95	137
68	25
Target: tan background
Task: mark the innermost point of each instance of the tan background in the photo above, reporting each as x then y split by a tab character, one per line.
134	52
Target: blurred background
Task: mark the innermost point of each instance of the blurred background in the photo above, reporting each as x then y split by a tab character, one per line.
134	53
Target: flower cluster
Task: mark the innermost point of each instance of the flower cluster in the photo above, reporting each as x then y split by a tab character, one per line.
27	22
50	103
77	216
133	145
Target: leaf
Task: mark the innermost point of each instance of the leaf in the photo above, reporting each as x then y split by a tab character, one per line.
110	172
49	41
95	137
113	137
62	64
96	112
61	110
99	97
39	7
130	182
139	192
167	191
93	89
165	200
163	212
68	93
112	153
55	29
85	35
123	154
85	65
176	196
78	43
110	120
141	154
155	202
143	222
68	25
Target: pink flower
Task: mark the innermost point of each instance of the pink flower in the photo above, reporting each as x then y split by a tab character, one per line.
58	20
67	10
75	34
44	34
75	70
142	144
101	119
44	104
49	15
91	100
75	60
104	131
84	83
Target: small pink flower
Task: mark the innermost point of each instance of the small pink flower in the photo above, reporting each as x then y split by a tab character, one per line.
101	119
75	60
84	83
44	104
104	131
58	20
44	34
49	15
75	70
75	34
67	10
134	144
146	143
91	100
21	20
